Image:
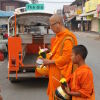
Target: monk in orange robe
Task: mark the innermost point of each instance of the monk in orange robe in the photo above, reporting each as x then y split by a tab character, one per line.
59	60
81	81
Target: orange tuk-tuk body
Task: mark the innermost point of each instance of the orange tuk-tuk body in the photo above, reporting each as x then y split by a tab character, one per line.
28	31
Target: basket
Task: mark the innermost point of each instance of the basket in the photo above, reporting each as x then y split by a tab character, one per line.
61	94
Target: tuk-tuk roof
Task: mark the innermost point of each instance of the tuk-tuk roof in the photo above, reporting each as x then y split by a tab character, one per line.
32	17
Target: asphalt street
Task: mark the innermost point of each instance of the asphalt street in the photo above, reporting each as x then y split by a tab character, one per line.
35	89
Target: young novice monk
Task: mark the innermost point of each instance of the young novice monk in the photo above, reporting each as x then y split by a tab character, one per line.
81	81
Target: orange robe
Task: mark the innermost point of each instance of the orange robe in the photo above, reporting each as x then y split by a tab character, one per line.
82	81
62	62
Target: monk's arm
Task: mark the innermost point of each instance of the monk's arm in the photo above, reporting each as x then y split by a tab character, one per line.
47	61
74	93
64	58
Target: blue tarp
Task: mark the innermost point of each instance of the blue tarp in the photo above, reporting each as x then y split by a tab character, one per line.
6	13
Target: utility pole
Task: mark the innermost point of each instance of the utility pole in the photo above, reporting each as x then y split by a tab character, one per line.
82	1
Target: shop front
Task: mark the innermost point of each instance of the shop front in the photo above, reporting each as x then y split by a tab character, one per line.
4	16
94	25
91	11
98	11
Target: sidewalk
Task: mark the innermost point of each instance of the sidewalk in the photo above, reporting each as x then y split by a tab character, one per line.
88	32
94	35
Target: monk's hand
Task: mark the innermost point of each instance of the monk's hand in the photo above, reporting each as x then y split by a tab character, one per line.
67	89
47	61
56	98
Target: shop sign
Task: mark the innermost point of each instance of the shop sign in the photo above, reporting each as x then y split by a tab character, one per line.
91	5
79	11
34	7
78	18
87	7
89	17
98	1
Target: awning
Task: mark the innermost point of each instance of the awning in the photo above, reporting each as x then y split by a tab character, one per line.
78	18
32	18
87	14
6	13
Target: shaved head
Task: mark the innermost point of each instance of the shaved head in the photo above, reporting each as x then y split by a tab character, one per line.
56	18
56	23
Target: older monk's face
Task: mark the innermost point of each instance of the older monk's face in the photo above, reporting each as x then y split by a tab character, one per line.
55	25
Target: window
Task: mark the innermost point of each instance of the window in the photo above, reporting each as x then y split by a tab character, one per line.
10	8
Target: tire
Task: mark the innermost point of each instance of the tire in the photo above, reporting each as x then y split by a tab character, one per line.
14	80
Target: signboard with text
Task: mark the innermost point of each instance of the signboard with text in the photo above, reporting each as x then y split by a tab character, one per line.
79	11
30	7
91	5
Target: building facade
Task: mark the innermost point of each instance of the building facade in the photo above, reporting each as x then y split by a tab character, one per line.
91	12
7	8
69	12
11	5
